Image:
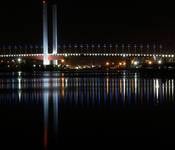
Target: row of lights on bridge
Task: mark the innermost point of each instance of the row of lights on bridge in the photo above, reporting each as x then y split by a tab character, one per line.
92	54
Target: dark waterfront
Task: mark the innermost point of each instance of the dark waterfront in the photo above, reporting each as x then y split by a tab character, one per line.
52	110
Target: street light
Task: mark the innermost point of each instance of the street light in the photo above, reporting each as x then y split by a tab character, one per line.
124	63
120	63
159	62
107	63
150	62
19	60
135	63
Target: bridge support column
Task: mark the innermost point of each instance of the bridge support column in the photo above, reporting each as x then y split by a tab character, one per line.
45	35
55	32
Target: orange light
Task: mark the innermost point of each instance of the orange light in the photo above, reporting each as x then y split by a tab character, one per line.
150	62
62	60
120	63
124	63
107	63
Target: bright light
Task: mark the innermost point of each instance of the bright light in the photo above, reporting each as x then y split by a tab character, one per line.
19	60
135	63
159	62
150	62
34	65
62	60
107	63
19	73
120	63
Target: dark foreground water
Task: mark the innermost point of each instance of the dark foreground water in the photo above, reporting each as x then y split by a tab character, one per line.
50	110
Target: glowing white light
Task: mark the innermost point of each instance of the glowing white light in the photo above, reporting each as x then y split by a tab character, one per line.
19	74
19	60
159	62
55	38
19	83
45	36
124	87
66	82
135	63
157	89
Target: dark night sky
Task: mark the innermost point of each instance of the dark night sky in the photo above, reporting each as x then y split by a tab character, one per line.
92	20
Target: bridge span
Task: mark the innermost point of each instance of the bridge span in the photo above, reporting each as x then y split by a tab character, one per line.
61	55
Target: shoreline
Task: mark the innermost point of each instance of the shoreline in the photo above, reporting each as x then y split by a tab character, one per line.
128	73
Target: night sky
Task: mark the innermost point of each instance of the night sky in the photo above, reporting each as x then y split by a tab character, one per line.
90	20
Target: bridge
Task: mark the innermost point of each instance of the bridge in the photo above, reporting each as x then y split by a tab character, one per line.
72	53
138	55
57	52
65	50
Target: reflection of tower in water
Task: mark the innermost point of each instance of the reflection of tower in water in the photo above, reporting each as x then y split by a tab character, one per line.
50	94
46	113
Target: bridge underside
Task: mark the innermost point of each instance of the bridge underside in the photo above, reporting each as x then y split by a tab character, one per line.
34	57
50	58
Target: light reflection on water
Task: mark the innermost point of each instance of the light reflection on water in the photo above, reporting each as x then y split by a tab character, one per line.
127	89
94	90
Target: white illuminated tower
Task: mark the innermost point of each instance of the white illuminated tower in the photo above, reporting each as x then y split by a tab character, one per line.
55	31
45	34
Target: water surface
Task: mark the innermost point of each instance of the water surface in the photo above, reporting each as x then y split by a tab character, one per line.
52	110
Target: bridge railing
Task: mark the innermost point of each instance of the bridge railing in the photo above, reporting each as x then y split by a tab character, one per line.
91	48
